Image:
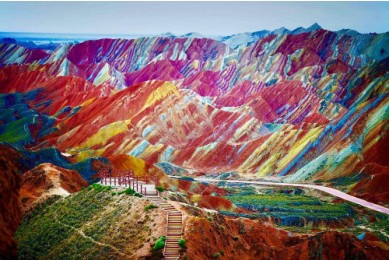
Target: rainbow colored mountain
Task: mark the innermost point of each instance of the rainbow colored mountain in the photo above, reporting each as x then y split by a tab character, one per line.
307	105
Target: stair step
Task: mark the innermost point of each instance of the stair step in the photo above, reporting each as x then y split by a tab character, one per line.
174	228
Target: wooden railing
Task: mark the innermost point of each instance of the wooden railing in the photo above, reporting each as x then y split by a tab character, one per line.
124	178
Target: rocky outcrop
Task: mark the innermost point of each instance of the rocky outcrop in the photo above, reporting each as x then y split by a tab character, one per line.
10	213
231	238
47	180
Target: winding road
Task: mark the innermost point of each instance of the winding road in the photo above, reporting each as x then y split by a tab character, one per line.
331	191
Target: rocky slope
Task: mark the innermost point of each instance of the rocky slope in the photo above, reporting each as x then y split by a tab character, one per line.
213	236
10	212
47	180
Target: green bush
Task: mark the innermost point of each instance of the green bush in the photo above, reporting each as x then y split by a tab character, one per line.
182	243
150	206
130	192
159	244
138	195
160	188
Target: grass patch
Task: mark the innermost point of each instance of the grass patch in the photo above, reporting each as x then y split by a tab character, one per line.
99	187
51	230
290	210
41	231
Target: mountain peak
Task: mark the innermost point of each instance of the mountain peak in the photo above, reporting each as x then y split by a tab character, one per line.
314	27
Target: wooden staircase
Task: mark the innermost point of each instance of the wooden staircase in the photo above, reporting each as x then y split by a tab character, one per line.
173	228
174	216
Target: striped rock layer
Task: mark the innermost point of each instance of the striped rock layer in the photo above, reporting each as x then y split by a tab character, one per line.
304	105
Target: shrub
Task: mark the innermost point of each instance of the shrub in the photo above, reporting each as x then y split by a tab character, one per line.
159	244
150	206
99	188
182	243
160	188
129	191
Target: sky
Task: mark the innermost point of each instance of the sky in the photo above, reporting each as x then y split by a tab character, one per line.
207	18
